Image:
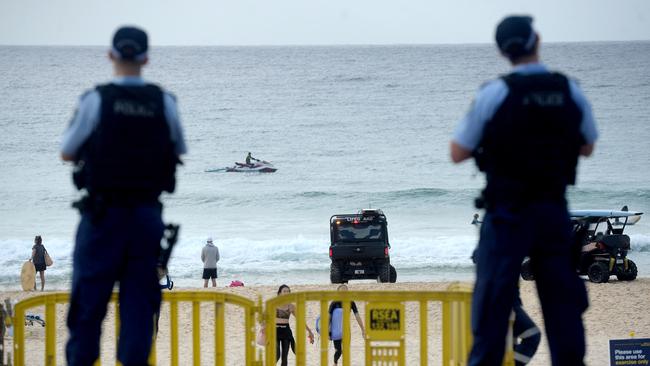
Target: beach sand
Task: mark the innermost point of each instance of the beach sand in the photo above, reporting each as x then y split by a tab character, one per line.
616	309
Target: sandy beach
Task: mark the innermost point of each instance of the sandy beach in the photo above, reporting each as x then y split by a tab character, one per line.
616	309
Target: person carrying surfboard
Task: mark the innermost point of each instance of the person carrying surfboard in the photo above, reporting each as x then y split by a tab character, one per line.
336	324
38	258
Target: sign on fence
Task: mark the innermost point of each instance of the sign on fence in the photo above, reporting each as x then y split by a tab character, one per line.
626	352
385	320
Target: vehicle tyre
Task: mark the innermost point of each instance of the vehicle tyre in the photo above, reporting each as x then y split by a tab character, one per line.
526	270
393	274
384	273
335	273
598	272
630	274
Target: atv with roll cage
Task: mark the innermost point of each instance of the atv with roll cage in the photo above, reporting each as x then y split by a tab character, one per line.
602	245
359	247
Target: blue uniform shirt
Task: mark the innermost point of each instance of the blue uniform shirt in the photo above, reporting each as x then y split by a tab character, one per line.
87	115
489	98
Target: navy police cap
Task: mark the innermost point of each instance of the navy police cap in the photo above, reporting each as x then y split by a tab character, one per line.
130	43
515	36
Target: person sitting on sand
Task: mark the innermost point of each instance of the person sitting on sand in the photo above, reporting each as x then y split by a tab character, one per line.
38	258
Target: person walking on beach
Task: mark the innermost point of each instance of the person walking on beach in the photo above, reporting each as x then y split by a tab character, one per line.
125	139
38	259
336	324
284	336
526	131
210	257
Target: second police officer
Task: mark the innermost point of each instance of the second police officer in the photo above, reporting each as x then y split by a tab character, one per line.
526	131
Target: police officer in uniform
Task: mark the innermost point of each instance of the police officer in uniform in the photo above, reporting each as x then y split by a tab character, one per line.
526	131
125	140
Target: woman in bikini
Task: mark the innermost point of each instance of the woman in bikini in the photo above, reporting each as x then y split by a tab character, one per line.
284	336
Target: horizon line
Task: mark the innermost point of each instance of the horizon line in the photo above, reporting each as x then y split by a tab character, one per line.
316	44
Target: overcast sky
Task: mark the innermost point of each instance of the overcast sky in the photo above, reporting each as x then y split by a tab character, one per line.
306	22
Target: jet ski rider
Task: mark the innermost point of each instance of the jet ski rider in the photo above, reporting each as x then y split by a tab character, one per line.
249	158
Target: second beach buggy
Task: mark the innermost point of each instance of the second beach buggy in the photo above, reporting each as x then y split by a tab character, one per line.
603	245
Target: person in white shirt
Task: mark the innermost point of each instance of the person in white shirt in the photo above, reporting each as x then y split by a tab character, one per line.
210	257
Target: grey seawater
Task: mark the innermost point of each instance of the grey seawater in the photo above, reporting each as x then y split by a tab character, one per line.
347	127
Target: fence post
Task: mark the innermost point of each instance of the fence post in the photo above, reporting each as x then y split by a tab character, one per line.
324	332
173	325
220	334
2	334
424	339
196	333
19	335
300	329
269	324
345	341
50	330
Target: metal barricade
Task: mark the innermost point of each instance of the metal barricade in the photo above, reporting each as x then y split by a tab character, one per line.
388	349
219	299
385	343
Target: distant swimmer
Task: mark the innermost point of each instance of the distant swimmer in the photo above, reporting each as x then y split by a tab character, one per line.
526	131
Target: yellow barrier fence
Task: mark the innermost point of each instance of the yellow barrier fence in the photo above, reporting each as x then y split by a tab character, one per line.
217	299
385	324
456	332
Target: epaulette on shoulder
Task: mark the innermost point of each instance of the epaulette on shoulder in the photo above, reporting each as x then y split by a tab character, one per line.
87	93
485	84
165	91
491	82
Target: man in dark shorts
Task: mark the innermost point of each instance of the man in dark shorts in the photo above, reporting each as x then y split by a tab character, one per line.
210	257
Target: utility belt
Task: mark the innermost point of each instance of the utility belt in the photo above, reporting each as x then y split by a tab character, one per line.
96	203
518	195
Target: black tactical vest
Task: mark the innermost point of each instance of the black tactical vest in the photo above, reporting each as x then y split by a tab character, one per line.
529	149
130	153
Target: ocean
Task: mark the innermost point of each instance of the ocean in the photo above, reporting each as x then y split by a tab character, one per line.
348	127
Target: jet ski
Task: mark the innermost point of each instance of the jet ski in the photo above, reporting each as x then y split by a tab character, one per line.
260	166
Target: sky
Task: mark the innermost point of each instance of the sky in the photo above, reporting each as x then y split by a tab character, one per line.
315	22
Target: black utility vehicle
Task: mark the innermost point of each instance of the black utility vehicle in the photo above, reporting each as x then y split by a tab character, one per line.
603	246
359	247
